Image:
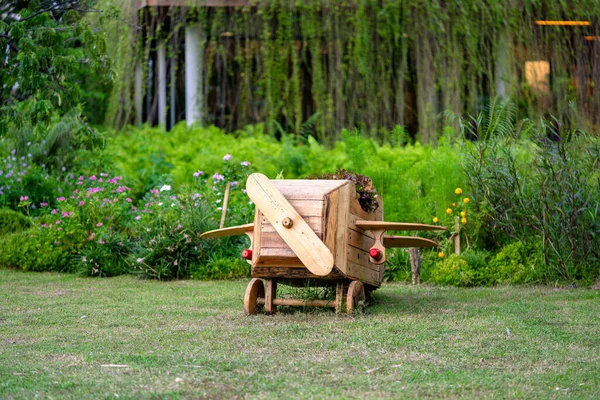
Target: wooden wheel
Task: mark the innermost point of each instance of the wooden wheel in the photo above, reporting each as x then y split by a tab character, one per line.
355	297
254	290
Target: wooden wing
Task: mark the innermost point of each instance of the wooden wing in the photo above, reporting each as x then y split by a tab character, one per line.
230	231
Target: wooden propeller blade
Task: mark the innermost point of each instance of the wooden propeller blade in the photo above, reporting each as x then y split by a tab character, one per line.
303	241
397	226
230	231
407	241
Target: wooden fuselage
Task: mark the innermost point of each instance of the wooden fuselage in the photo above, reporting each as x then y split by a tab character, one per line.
331	209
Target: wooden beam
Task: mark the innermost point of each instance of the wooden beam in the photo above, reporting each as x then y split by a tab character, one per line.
193	3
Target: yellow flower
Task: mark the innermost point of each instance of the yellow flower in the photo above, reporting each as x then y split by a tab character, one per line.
463	214
458	191
441	254
449	211
466	200
463	220
436	220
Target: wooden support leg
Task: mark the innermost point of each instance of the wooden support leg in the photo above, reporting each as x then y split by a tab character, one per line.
415	264
339	296
270	294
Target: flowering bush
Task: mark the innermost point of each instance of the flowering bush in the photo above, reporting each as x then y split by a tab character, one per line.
168	244
23	181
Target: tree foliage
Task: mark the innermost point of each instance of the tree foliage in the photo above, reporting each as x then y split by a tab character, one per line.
48	46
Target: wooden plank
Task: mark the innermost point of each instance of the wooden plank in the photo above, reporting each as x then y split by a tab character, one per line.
256	243
315	223
304	303
308	207
230	231
397	226
329	184
273	240
341	233
360	240
352	220
407	241
278	257
330	220
364	275
339	296
270	294
291	273
361	257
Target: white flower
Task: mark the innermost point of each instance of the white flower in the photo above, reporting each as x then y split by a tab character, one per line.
83	259
139	260
165	187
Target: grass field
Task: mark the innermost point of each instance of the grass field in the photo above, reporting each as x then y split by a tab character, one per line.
62	336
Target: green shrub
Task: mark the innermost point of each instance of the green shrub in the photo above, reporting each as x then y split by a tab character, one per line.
29	252
221	266
517	263
12	222
467	269
397	267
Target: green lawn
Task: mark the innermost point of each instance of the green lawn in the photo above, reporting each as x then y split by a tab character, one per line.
59	334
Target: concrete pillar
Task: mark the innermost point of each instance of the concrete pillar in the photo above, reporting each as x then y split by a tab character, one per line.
162	84
172	83
503	66
138	94
194	64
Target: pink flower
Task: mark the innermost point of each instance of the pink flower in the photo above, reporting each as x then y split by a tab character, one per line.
53	211
138	217
154	191
65	214
198	173
24	198
227	157
58	221
99	224
59	229
43	225
81	203
60	199
92	236
128	200
81	177
100	180
100	241
93	178
80	183
43	204
245	164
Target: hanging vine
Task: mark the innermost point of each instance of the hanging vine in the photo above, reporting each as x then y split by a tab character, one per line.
370	64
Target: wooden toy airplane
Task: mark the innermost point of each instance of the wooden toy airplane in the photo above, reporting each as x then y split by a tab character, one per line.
315	230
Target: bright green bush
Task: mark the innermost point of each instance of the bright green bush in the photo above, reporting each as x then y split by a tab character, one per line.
30	252
12	221
517	263
467	269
